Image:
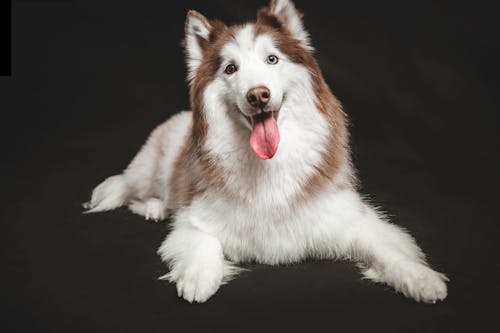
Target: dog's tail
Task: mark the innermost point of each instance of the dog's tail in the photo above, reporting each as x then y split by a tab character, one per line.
110	194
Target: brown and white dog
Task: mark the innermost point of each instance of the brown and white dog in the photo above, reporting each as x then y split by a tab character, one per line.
260	169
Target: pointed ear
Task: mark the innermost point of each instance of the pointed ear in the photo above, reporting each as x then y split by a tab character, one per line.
197	31
291	19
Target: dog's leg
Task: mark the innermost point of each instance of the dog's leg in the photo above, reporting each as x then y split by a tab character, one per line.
110	194
391	256
152	209
196	263
137	182
149	174
387	253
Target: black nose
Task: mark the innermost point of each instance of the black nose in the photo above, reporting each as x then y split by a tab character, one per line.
259	96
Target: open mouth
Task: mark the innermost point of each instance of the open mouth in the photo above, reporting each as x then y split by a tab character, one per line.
265	136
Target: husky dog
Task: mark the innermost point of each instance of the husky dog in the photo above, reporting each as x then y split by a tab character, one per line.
260	169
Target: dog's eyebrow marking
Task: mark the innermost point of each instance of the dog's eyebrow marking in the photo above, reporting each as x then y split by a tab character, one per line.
259	32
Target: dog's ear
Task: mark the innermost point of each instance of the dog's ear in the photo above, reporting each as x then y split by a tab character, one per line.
197	30
291	19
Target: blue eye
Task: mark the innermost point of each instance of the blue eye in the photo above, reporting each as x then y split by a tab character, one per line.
272	59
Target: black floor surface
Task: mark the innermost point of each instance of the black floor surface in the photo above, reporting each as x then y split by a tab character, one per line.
90	80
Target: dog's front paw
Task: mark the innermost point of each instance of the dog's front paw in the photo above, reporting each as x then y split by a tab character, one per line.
155	210
151	209
422	283
199	283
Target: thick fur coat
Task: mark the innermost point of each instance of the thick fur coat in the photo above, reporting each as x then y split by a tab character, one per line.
260	169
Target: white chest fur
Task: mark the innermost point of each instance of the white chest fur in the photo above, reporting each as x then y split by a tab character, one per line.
260	221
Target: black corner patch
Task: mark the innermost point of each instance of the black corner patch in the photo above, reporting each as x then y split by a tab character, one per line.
5	38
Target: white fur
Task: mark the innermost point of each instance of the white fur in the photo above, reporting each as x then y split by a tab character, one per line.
110	194
151	209
196	27
249	54
285	10
260	221
303	134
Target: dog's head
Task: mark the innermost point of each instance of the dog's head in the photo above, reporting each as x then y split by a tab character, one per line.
254	66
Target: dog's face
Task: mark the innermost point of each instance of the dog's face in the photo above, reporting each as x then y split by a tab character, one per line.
254	72
252	65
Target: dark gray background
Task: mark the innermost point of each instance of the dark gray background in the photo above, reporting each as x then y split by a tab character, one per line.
5	38
90	80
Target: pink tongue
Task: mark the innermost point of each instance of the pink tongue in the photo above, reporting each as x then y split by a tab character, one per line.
265	136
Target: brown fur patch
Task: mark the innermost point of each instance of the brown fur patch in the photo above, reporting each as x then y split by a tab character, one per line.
183	186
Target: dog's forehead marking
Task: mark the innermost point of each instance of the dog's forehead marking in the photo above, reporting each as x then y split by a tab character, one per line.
244	37
246	40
